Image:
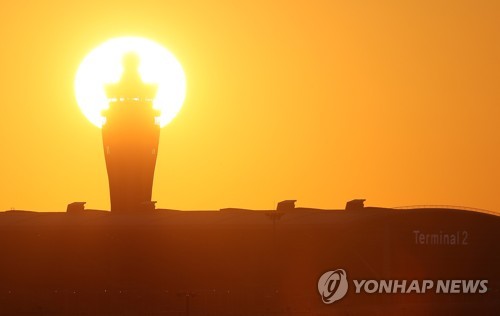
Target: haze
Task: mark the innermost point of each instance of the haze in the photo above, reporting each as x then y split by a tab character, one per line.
319	101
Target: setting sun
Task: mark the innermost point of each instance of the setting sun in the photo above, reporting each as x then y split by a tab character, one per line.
103	66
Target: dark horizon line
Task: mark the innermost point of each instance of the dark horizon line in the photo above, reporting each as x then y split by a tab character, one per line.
278	210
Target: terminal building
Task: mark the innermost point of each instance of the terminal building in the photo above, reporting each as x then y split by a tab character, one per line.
244	262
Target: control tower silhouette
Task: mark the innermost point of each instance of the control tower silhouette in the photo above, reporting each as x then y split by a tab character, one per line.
130	137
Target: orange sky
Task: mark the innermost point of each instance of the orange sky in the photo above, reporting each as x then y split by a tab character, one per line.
396	101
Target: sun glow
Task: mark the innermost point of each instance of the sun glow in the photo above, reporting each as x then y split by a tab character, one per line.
103	65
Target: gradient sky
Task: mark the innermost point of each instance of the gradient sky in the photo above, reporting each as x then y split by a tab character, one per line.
396	101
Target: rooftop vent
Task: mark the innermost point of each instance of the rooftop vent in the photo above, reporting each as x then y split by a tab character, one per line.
357	204
287	205
76	207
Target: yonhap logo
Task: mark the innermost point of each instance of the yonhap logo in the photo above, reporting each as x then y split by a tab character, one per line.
332	286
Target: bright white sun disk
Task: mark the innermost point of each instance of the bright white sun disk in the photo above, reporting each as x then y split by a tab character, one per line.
103	66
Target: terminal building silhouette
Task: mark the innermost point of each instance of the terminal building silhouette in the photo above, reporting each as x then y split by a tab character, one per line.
130	137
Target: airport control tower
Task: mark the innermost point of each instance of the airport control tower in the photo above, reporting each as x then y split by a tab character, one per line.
130	137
